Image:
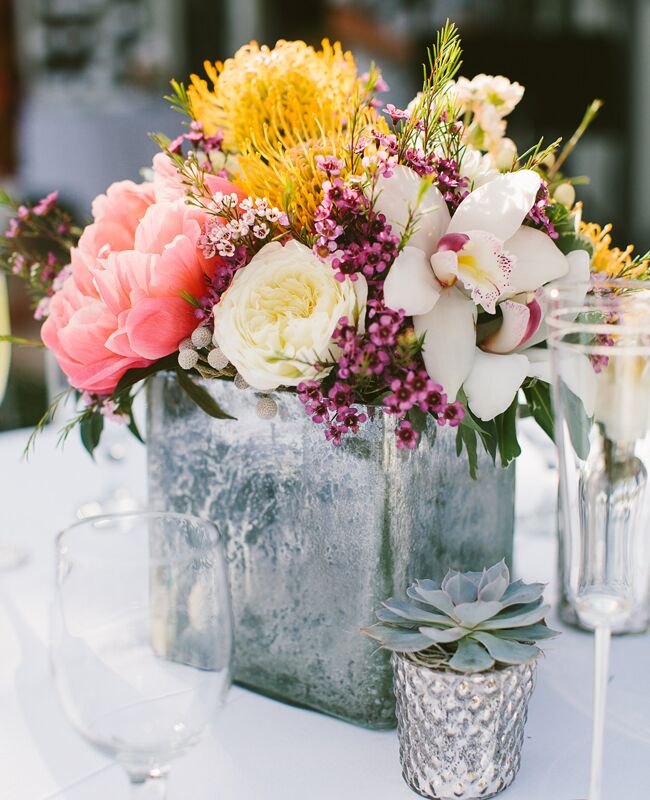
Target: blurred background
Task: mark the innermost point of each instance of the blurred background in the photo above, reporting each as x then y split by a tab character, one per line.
81	83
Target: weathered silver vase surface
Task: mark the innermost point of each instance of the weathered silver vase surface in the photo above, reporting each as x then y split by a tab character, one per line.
318	536
460	736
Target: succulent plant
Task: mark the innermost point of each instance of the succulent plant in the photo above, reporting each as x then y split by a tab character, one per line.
471	622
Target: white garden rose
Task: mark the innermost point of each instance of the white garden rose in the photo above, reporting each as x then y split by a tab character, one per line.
277	318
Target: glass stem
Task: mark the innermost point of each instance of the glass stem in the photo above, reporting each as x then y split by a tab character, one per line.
152	787
601	674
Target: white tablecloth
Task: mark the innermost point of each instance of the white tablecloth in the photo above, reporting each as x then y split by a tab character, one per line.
263	749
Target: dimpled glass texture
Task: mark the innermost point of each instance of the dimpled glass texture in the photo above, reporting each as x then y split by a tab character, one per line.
460	736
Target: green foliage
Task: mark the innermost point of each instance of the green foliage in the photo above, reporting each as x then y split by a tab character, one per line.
577	421
536	155
538	396
45	420
589	116
471	622
179	99
22	342
564	223
133	376
198	395
496	435
90	428
431	122
506	434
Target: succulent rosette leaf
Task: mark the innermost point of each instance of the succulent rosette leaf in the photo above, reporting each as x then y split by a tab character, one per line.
470	622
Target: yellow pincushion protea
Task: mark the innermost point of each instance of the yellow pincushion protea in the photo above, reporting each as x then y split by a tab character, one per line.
284	95
278	109
611	261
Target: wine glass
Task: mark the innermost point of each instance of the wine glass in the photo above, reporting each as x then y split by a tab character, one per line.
599	334
141	637
10	555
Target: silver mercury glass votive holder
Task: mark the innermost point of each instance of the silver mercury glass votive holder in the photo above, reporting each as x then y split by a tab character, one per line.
460	736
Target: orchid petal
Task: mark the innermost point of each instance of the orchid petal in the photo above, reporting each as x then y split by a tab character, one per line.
578	273
445	266
484	268
449	339
493	383
498	207
398	198
519	322
539	364
537	260
410	285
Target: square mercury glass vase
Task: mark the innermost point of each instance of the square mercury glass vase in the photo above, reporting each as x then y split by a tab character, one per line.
317	536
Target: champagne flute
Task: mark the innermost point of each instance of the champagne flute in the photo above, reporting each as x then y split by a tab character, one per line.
600	348
141	637
10	555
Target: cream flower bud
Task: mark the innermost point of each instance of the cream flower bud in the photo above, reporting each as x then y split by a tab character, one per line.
201	337
240	383
266	408
505	154
187	359
565	194
216	359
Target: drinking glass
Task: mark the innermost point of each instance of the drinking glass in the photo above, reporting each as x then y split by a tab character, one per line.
10	555
141	637
599	335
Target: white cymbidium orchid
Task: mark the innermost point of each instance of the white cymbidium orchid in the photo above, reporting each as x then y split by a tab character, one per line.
482	256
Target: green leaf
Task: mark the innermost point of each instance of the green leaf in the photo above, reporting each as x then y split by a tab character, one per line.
538	396
443	635
506	429
24	342
133	427
133	376
91	427
506	621
529	633
506	651
198	394
470	656
520	593
409	612
399	640
489	438
577	421
418	419
189	298
466	437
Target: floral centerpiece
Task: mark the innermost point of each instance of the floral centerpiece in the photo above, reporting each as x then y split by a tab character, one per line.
301	234
303	248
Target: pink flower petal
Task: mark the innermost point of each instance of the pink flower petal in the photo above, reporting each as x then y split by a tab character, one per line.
156	326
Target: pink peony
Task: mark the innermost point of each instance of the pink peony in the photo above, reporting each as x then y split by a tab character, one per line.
122	306
116	216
